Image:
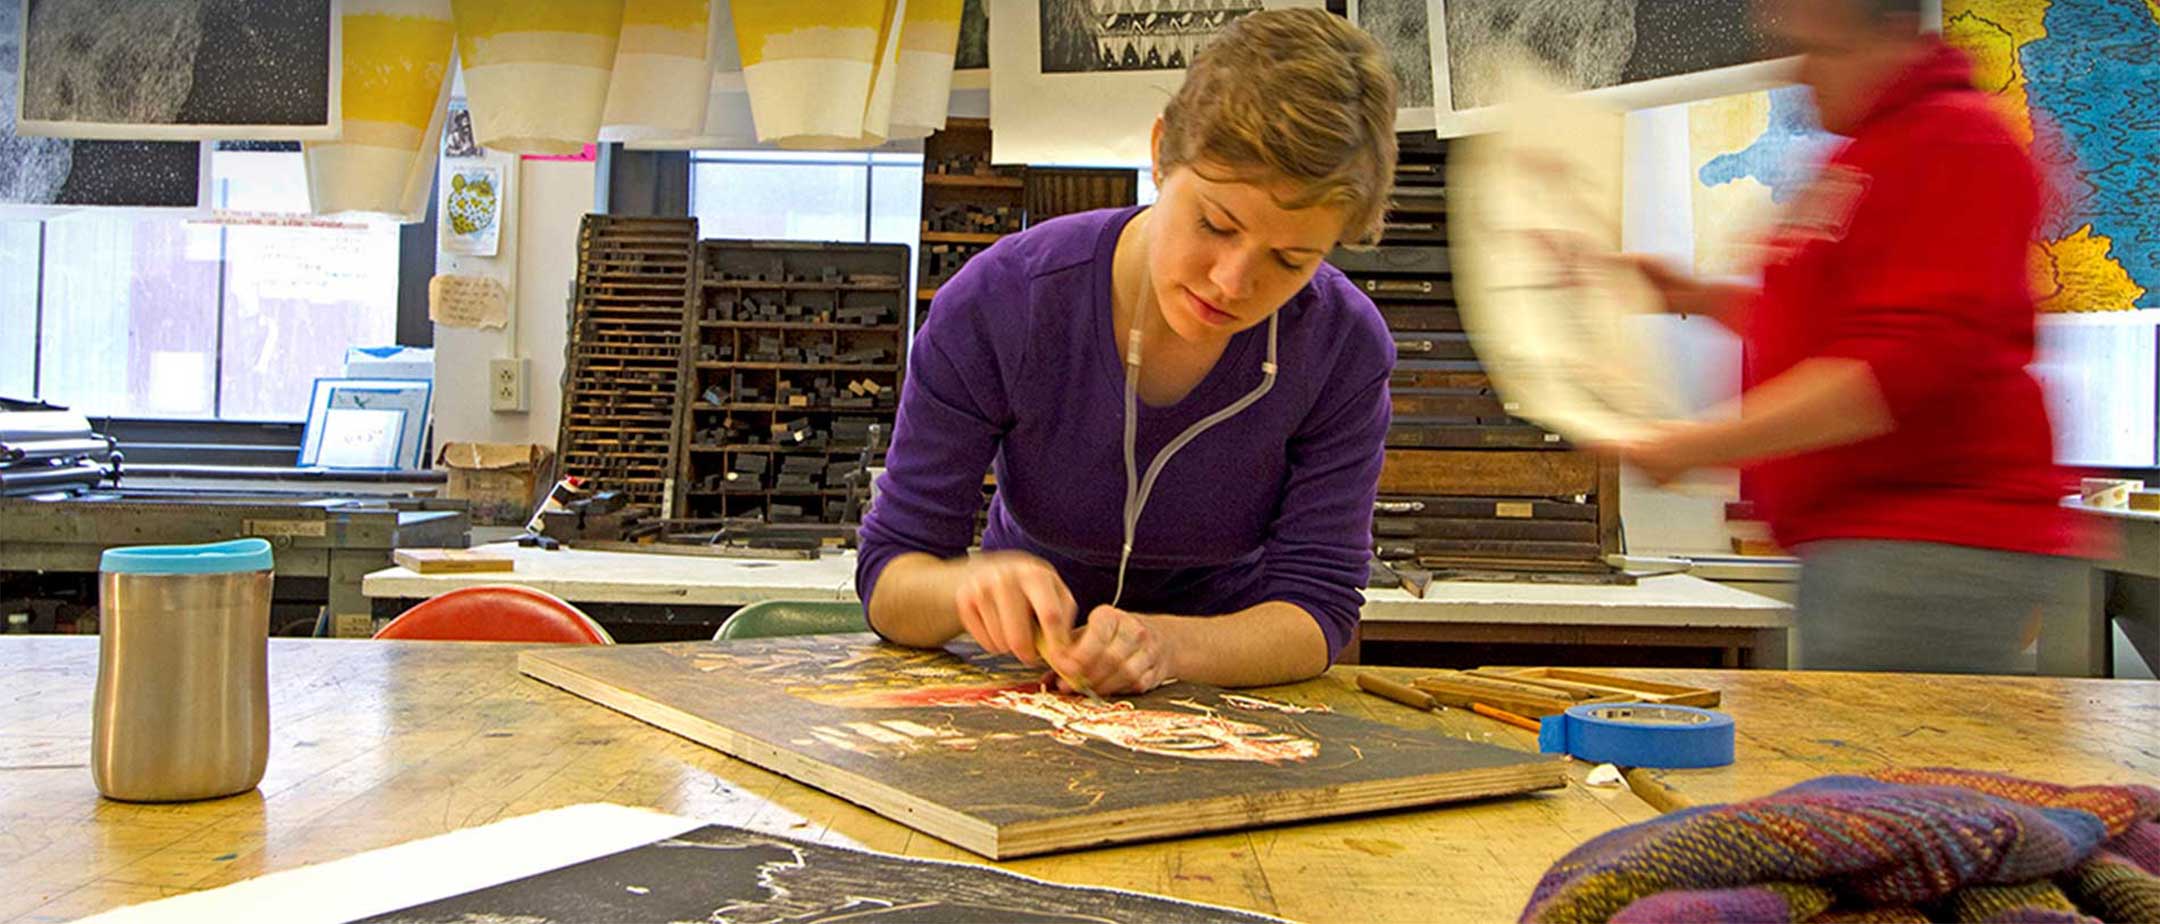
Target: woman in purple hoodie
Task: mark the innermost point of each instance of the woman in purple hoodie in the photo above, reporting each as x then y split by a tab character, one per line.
1184	406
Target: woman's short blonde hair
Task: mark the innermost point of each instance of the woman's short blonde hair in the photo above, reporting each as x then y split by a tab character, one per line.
1300	95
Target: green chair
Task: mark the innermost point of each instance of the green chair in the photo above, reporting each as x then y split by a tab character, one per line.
771	618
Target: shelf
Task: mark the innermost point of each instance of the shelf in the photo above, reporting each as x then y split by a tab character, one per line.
973	182
784	408
802	367
754	284
781	492
768	447
925	294
799	325
959	237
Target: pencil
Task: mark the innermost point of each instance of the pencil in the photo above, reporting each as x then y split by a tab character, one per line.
1503	715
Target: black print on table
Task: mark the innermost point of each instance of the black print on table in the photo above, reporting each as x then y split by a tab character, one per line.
61	171
1135	35
1599	43
724	874
177	62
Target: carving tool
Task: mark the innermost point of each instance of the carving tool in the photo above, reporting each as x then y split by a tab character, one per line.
1399	692
1044	647
1652	790
1503	715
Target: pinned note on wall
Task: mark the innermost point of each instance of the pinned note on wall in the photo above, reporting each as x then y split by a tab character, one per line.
468	301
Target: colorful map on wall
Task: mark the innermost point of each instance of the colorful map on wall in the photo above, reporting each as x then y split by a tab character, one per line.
2081	81
1747	155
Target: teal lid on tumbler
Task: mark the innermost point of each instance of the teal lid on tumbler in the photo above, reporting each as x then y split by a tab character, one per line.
213	558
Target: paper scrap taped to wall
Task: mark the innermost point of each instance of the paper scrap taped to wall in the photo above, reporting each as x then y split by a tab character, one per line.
396	91
468	301
537	71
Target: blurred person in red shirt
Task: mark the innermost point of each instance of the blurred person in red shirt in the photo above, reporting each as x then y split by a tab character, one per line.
1889	431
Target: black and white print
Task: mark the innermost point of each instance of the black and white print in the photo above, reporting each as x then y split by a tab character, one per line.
1592	44
458	132
974	50
1400	26
179	69
65	172
718	873
1082	36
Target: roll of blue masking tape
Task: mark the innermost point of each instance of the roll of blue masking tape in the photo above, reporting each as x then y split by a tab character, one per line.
1640	735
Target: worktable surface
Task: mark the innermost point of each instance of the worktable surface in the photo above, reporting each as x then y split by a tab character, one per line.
630	577
376	743
581	576
1665	600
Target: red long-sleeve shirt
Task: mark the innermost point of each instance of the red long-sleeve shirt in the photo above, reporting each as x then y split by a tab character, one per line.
1909	253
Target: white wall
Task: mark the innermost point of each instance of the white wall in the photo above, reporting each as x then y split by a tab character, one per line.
552	196
1704	358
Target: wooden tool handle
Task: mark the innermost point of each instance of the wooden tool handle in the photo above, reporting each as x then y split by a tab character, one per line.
1401	693
1647	788
1505	716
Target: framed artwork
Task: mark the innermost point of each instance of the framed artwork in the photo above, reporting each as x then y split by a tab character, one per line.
344	436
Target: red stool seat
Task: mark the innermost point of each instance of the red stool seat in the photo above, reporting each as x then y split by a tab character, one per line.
497	613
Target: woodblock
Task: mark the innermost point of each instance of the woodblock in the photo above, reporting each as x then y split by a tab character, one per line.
966	746
451	561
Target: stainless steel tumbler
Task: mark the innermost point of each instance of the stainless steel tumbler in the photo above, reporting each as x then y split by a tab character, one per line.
183	695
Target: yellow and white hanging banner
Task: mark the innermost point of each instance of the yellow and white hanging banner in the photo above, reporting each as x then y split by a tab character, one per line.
726	121
537	71
922	90
661	71
820	75
395	93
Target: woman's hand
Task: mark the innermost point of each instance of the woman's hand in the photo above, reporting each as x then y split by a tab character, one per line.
1006	599
1669	451
1116	652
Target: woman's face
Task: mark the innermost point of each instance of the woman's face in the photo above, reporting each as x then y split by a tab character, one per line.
1223	254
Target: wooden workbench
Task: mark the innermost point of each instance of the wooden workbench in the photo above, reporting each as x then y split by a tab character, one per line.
1674	610
582	577
2081	641
1796	725
376	743
1670	610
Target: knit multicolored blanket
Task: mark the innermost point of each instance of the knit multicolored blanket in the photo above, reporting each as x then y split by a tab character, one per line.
1900	845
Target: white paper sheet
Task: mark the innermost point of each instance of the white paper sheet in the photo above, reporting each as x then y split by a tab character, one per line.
1534	209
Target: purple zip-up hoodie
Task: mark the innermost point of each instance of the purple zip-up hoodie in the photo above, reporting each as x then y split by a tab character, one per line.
1018	371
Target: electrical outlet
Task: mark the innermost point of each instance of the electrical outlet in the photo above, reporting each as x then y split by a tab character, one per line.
506	385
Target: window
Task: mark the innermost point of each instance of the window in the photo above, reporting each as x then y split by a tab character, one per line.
156	316
18	308
807	196
815	196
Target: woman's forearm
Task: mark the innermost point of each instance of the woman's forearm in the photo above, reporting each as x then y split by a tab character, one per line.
913	601
1266	644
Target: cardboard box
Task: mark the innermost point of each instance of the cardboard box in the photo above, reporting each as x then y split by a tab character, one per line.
503	481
